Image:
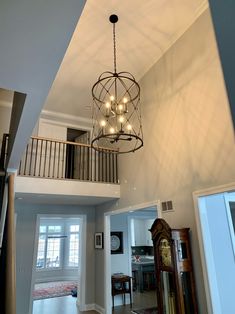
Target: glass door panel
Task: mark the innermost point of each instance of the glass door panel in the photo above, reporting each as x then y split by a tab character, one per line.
168	293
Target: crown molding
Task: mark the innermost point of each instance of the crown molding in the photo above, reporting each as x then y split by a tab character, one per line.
65	119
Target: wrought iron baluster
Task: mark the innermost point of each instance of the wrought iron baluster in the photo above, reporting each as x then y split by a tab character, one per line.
35	159
116	172
88	162
58	166
40	160
49	164
113	169
31	155
95	176
106	166
45	161
63	162
53	171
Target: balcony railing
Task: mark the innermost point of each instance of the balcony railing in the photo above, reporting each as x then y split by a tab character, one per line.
49	158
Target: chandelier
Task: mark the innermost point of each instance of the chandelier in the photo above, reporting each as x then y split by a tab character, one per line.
116	116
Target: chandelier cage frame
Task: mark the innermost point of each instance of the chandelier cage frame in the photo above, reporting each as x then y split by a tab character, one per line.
116	115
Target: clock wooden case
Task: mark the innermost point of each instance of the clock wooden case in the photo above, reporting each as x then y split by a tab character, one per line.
173	269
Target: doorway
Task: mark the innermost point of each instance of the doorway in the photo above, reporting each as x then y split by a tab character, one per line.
73	152
121	221
214	217
59	259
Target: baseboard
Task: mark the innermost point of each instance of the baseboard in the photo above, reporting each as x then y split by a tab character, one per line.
92	307
99	309
59	278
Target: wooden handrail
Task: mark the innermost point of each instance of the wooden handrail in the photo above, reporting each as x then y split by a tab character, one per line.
70	143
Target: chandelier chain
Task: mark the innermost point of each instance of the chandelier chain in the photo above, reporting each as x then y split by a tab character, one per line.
114	49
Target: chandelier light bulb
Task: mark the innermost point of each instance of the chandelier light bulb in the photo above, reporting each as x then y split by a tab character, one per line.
121	119
120	108
107	105
112	98
111	130
103	123
129	127
124	100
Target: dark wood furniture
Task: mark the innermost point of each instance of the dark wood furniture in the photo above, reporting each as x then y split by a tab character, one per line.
173	269
121	284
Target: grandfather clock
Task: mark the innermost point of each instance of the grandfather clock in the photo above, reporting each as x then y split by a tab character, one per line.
173	269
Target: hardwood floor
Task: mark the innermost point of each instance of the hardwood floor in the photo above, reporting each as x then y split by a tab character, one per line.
61	305
142	300
67	304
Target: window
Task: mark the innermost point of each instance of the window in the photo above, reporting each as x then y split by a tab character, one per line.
73	246
49	246
58	244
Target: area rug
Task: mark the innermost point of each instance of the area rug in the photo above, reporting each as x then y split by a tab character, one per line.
53	289
151	310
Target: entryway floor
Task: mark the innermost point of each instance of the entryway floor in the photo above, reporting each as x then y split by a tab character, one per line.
146	299
67	304
61	305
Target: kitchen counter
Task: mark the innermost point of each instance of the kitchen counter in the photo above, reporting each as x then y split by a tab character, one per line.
145	264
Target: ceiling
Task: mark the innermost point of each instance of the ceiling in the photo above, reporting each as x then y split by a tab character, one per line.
145	30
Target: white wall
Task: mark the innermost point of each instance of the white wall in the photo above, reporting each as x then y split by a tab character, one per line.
121	262
25	235
188	134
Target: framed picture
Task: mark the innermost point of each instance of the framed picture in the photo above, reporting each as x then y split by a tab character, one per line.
99	240
116	242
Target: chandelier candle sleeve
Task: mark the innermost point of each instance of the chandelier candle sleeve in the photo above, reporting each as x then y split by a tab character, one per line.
116	113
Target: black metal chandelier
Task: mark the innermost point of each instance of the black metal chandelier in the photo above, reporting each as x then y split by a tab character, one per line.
116	113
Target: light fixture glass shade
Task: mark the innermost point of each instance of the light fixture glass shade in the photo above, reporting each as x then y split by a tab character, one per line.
116	113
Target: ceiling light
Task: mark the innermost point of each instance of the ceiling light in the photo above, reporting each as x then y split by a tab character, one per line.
116	114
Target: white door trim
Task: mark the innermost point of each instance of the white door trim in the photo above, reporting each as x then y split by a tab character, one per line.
107	255
230	197
204	243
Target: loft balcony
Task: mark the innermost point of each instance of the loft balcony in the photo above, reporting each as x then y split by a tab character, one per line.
55	171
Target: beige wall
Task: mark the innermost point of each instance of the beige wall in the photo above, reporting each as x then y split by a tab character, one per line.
188	134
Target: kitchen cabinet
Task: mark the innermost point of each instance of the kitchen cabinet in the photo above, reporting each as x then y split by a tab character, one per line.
141	236
141	267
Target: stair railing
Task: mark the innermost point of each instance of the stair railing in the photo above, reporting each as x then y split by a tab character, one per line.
57	159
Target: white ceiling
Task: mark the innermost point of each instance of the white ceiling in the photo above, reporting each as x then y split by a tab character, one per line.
145	30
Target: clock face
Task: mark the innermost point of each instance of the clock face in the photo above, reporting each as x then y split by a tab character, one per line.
115	242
